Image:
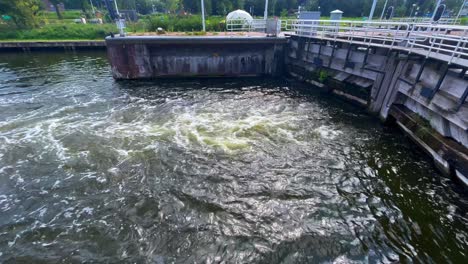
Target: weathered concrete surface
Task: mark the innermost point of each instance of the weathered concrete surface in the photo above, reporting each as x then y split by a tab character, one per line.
51	45
448	155
380	78
153	57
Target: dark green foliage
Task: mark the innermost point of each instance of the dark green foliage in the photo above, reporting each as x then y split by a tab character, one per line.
323	76
23	12
464	21
184	23
56	32
66	15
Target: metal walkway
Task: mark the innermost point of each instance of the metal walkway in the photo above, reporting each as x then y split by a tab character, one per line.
447	43
442	42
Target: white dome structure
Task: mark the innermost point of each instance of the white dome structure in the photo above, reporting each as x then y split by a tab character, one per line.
240	15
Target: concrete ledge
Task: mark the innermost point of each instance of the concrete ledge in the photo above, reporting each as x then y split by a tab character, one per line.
41	45
447	153
195	40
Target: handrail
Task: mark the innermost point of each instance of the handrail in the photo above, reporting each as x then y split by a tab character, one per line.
427	20
446	42
246	25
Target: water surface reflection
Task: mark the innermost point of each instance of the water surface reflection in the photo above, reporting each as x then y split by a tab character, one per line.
238	170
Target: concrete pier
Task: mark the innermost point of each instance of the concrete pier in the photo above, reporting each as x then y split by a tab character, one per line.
153	56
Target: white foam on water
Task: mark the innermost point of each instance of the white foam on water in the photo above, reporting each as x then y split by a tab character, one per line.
87	210
3	169
328	132
42	212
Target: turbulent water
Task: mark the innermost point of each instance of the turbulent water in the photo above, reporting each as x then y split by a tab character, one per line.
208	171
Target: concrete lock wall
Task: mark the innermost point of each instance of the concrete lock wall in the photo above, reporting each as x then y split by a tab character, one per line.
153	57
397	86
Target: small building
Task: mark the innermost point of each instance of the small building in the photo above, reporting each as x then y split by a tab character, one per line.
336	14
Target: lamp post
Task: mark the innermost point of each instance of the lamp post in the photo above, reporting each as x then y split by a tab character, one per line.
116	8
203	14
265	15
372	10
92	6
412	9
437	6
465	2
383	10
417	11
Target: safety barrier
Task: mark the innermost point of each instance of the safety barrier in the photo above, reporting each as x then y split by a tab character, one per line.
255	25
427	20
444	42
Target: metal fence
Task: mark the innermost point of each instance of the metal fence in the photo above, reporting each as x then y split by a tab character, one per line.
444	42
255	25
428	20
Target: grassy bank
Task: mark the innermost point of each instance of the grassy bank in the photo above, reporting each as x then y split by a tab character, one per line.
54	29
58	31
464	21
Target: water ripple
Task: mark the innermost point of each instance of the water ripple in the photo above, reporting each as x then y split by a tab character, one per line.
255	170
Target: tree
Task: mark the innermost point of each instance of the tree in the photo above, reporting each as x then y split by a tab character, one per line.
56	4
23	12
172	5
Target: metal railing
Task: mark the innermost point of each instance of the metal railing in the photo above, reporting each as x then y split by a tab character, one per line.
428	20
445	42
382	33
442	41
255	25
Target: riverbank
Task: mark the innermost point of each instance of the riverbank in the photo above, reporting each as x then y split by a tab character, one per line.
74	44
51	45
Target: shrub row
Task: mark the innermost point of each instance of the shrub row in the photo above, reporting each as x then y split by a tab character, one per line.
184	23
60	31
69	14
68	30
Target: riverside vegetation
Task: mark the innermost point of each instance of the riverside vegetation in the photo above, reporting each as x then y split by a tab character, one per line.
66	29
51	28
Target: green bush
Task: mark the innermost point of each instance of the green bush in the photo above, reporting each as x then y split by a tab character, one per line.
464	21
73	14
184	23
66	29
57	31
323	76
